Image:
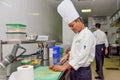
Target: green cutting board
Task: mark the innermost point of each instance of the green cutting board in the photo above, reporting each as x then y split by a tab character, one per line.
43	73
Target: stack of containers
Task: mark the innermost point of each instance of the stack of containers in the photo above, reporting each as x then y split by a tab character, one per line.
54	55
16	32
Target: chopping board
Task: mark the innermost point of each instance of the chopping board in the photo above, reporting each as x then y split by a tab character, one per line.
43	73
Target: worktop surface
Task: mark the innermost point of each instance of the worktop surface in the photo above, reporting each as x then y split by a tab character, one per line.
44	73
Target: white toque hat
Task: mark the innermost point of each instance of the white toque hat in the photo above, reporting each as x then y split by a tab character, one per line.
67	10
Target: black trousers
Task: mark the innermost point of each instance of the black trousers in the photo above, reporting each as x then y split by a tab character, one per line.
83	73
99	57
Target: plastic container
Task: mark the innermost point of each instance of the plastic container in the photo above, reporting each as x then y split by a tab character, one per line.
56	59
56	54
15	36
42	38
16	27
51	56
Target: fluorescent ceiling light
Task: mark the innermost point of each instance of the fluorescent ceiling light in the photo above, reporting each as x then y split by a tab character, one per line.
86	0
93	0
35	14
86	10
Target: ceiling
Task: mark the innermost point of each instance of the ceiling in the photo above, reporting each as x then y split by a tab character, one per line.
98	7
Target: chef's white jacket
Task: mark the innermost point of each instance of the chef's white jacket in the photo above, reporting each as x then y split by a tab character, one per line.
101	37
83	49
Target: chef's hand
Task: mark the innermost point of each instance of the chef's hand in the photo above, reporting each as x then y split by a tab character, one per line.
106	51
64	58
58	68
67	50
61	68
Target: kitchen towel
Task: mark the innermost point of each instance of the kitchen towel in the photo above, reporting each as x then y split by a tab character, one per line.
24	72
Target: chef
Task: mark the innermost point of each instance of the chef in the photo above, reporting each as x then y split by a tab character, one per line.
82	51
101	50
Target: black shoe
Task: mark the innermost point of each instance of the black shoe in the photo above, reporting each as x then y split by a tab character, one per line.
96	71
107	57
99	78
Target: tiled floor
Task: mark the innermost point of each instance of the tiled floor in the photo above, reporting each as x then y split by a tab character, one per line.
110	73
112	62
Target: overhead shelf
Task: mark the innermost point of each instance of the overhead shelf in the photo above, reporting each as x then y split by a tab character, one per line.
25	42
116	23
20	42
115	19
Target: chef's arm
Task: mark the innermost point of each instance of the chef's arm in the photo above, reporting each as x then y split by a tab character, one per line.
67	66
67	50
106	50
64	58
64	67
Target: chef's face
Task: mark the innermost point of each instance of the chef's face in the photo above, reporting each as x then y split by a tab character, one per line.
76	26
